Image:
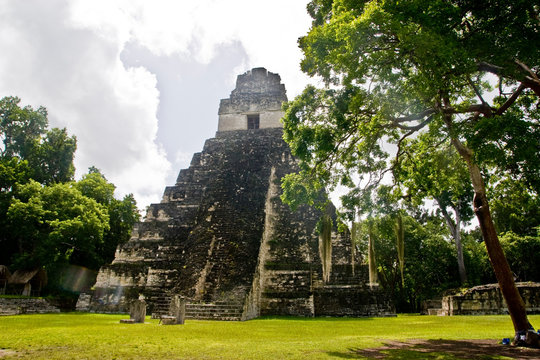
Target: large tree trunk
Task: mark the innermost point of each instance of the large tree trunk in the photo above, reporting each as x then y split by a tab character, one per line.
516	306
459	248
400	245
371	259
455	231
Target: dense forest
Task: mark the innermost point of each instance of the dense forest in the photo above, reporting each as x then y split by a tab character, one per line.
48	220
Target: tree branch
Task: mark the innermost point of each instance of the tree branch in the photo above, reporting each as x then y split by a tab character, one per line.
330	156
531	80
474	108
494	69
414	117
483	108
411	131
476	90
510	100
527	70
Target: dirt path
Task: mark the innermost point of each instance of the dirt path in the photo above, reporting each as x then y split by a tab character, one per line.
4	353
462	349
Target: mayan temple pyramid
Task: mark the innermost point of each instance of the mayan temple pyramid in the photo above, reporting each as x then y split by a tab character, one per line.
222	238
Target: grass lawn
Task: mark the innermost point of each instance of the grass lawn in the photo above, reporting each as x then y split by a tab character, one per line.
98	336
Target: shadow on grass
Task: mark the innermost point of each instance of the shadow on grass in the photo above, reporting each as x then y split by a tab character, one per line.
315	319
441	350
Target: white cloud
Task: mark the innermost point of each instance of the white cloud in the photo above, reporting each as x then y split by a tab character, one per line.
77	74
65	55
267	30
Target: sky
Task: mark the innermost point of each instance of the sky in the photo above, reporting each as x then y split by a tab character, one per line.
139	82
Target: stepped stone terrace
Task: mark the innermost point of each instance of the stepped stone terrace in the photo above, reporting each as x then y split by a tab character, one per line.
222	238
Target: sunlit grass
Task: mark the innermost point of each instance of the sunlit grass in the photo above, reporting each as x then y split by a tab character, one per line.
98	336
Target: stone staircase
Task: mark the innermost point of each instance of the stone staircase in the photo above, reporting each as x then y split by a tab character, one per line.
161	303
226	311
340	277
287	290
217	259
203	310
343	276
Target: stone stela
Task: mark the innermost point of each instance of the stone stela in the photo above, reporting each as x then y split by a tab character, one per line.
222	239
137	312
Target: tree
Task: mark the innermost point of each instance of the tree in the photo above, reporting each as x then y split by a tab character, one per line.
515	208
364	209
400	245
516	214
435	171
24	134
48	219
430	267
95	186
20	127
52	161
29	151
12	173
123	214
523	255
402	67
55	224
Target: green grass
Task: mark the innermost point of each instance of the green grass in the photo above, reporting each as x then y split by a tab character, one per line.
19	297
98	336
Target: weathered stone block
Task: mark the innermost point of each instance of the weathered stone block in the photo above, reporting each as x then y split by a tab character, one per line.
178	309
83	303
488	300
137	311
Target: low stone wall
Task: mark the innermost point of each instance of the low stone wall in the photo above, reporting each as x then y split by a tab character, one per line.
16	306
431	306
351	301
488	300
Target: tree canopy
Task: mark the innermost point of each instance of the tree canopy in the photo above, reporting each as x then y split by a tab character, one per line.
461	72
52	224
123	214
435	171
47	219
25	136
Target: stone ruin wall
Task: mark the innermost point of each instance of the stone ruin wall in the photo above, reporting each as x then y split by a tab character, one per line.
17	306
232	122
488	300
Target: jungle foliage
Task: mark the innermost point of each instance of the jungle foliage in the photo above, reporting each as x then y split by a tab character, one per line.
426	94
47	219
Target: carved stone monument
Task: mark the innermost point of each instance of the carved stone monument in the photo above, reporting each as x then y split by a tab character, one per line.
137	312
222	238
177	310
